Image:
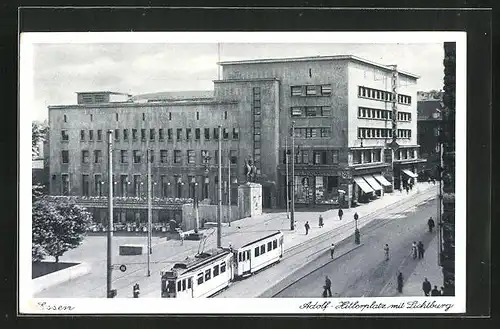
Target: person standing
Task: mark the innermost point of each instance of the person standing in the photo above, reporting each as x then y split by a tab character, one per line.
307	227
431	224
386	251
414	250
426	287
442	291
400	282
341	213
435	291
328	287
407	189
421	250
332	249
320	221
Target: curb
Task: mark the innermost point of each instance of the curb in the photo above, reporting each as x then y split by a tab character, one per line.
269	292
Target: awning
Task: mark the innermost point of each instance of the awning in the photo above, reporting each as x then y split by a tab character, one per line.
409	173
372	182
381	179
363	184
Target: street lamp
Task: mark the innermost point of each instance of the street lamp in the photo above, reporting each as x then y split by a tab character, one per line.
356	231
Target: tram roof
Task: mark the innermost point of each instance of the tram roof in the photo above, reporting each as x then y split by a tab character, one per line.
195	262
246	240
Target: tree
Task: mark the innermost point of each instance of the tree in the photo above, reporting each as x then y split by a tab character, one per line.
57	227
38	132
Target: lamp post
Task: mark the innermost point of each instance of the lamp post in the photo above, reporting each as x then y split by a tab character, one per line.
229	188
109	263
356	231
292	217
219	204
287	187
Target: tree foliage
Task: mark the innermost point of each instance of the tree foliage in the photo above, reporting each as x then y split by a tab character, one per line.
38	132
57	227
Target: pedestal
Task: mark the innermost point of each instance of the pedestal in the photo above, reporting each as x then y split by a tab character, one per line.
250	200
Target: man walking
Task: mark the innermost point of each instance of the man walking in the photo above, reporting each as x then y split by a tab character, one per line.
414	250
421	250
435	291
328	287
386	251
400	282
332	249
426	287
307	227
321	221
341	213
431	224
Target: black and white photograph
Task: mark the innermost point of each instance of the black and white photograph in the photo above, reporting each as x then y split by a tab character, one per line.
293	172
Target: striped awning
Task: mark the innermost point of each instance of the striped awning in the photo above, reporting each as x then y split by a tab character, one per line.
363	184
381	179
410	173
372	182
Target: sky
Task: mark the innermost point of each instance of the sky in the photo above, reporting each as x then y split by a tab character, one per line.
60	70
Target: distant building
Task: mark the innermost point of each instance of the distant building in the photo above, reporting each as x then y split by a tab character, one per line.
430	116
341	106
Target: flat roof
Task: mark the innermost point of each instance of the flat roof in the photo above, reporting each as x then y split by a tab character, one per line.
318	58
245	80
102	92
145	104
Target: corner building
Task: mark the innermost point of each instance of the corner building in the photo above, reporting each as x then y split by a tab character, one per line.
340	105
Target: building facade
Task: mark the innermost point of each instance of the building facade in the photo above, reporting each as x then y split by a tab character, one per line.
429	120
341	109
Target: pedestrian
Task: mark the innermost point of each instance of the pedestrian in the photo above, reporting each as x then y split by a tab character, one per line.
431	224
429	180
426	287
407	189
386	251
332	249
328	287
400	282
320	221
411	186
435	291
181	236
421	250
433	181
341	213
414	249
307	227
442	291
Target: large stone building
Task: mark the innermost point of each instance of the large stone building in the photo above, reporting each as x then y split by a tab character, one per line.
340	107
429	120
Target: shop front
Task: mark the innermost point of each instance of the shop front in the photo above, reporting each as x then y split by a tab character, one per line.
369	182
406	172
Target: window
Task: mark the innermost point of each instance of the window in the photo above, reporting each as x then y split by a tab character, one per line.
85	156
85	185
200	278
124	156
163	156
356	157
137	185
97	156
170	115
188	134
191	156
161	135
269	246
233	156
311	90
216	133
190	283
207	134
151	134
325	132
326	111
297	111
311	111
177	156
236	133
116	116
225	115
179	134
65	156
134	134
296	90
197	134
151	156
256	251
99	135
367	156
183	284
117	134
205	156
91	117
65	118
144	117
335	156
320	157
197	115
223	267
64	135
225	133
143	135
98	185
275	244
208	274
170	134
91	135
125	134
82	135
65	184
326	90
216	270
263	249
137	156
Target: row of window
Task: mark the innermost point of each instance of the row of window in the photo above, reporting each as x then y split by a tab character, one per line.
318	157
117	116
406	153
188	133
371	113
319	132
137	156
382	95
261	250
204	277
366	156
311	111
257	120
365	133
311	90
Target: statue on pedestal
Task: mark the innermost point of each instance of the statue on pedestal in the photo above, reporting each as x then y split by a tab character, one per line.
250	171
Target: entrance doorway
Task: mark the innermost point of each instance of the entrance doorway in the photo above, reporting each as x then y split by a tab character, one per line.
266	197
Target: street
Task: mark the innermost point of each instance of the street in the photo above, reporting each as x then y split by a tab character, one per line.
364	272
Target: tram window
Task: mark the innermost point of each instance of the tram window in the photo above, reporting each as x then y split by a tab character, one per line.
262	249
208	274
239	257
171	286
256	251
248	254
183	284
216	270
269	246
200	278
190	283
223	267
179	285
275	244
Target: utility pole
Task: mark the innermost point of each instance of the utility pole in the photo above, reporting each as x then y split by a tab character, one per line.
394	144
286	178
219	217
149	210
292	217
229	186
110	215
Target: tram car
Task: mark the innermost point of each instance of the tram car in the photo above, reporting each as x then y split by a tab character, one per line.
212	271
